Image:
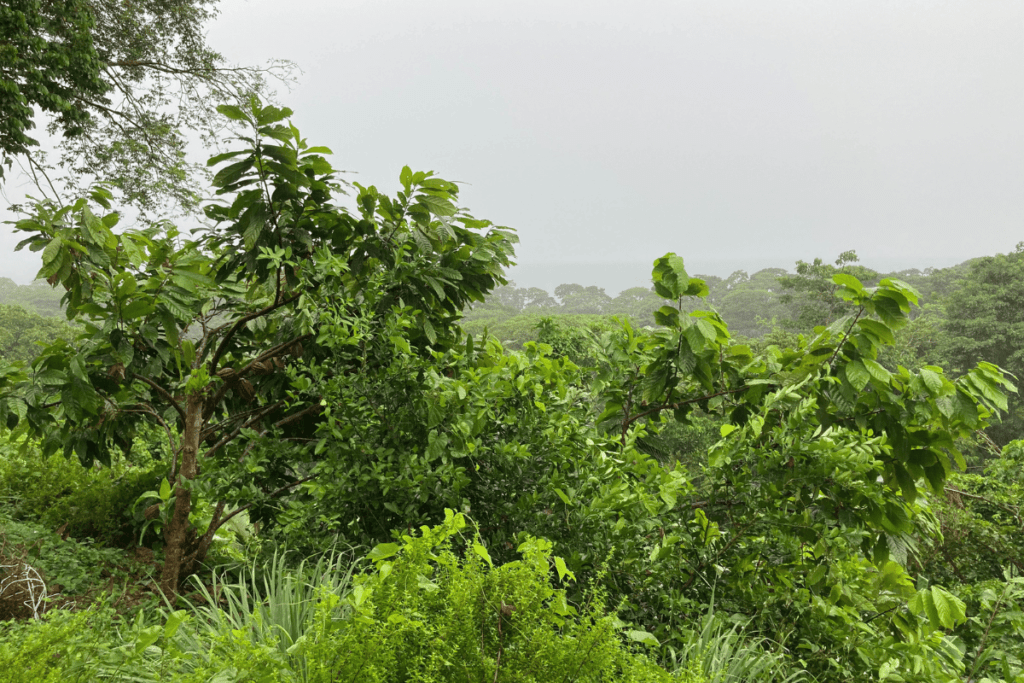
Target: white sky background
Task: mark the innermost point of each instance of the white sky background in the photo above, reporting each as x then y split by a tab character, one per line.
737	134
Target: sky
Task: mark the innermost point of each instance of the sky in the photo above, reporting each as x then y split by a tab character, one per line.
739	135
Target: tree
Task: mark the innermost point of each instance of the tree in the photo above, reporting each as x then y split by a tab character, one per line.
812	490
220	340
985	322
48	60
124	83
811	290
579	299
38	297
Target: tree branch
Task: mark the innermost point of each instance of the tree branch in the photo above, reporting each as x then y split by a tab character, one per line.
243	320
163	393
270	353
271	495
680	404
238	430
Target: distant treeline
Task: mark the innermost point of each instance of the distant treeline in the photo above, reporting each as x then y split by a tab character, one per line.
753	305
38	297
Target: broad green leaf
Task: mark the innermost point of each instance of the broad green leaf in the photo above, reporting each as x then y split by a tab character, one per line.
932	381
562	570
643	637
906	482
880	330
174	620
232	112
561	494
876	370
817	574
147	637
52	250
857	375
436	205
382	551
218	158
849	281
670	277
482	552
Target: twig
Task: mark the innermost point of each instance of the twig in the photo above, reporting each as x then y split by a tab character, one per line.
163	392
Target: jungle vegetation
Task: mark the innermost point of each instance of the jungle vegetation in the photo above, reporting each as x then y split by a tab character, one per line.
327	441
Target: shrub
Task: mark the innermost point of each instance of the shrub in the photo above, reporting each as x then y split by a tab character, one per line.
425	614
63	646
82	502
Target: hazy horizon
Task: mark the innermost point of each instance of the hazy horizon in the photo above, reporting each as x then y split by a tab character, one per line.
740	135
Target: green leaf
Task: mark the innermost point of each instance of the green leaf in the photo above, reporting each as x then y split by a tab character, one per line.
876	370
936	476
436	205
428	330
165	490
561	494
382	551
707	330
932	382
52	250
950	609
643	637
848	281
878	329
906	482
667	316
147	637
232	112
482	552
174	620
670	277
137	309
817	575
857	375
270	114
217	158
562	570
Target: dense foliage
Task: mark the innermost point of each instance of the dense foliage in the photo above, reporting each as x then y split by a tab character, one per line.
581	488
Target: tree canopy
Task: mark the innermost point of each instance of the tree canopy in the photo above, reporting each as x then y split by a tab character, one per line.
123	84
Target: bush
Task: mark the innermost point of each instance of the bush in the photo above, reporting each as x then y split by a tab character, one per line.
63	646
420	612
82	502
424	614
68	567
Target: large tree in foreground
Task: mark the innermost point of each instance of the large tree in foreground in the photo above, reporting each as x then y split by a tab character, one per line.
218	339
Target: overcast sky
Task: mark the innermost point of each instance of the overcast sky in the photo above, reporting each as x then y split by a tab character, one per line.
737	134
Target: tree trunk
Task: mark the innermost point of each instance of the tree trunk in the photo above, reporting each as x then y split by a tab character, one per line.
179	533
